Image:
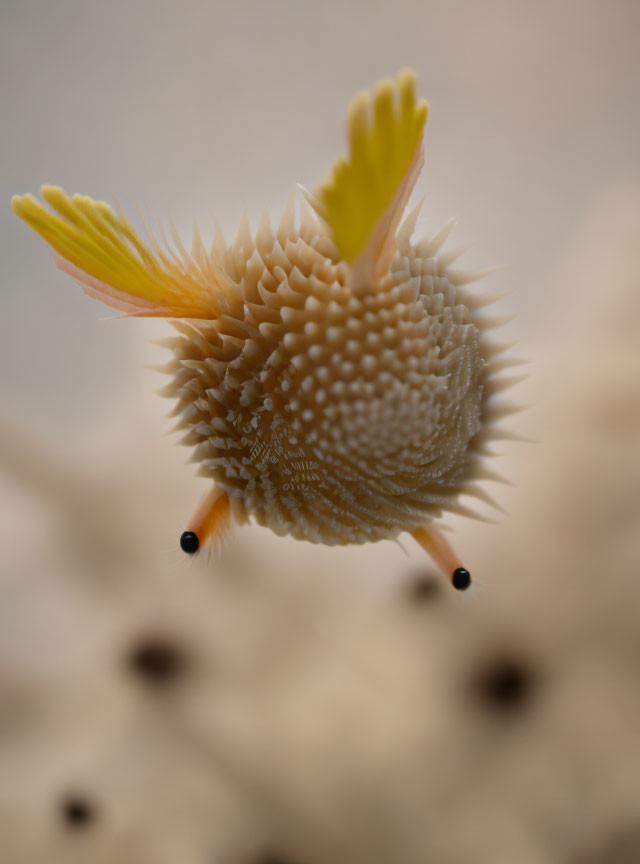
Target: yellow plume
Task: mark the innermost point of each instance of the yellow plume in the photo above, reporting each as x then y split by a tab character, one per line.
104	252
385	138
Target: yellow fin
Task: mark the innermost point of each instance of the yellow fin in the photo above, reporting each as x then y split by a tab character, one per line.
385	133
107	256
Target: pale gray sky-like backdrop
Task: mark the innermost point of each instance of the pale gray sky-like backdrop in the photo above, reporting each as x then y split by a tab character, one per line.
196	108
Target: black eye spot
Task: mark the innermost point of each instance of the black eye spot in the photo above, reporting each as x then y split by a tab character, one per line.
77	812
461	579
189	542
423	589
504	684
158	661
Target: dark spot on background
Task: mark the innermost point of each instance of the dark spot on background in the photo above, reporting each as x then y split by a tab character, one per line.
158	661
424	588
504	683
271	858
623	848
77	811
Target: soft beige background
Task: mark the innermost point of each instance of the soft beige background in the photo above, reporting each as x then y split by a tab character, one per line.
321	715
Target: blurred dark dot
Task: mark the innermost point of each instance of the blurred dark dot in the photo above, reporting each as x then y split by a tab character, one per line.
623	848
269	858
77	812
504	684
158	661
424	588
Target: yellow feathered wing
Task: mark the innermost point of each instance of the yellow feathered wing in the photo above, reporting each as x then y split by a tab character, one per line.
362	201
365	194
106	255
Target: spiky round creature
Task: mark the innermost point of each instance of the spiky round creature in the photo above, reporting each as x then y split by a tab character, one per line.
333	377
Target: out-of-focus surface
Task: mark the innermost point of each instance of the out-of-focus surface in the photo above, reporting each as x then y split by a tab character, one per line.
284	702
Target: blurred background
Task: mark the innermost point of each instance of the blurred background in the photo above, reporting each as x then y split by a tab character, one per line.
281	703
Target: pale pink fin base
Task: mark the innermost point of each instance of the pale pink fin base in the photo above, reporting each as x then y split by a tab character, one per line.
375	259
98	290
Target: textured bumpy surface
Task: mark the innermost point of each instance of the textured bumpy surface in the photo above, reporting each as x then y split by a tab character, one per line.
333	377
334	418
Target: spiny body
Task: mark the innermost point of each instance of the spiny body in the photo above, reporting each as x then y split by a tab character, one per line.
334	377
334	417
